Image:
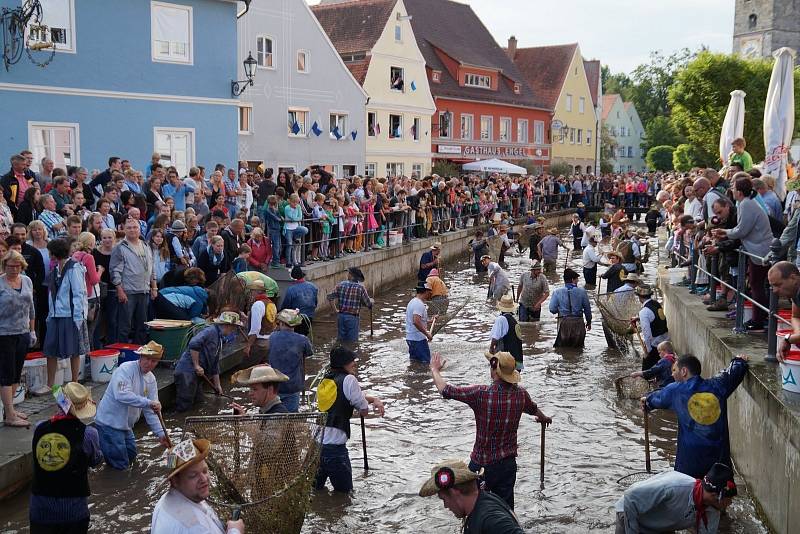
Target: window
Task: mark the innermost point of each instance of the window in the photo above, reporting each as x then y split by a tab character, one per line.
517	88
297	122
572	136
436	76
614	131
415	128
445	124
568	103
579	139
245	119
630	151
395	126
57	25
505	130
372	124
752	21
522	130
622	131
357	56
264	52
466	127
369	169
416	170
171	32
338	126
302	61
478	80
394	169
398	33
588	137
630	168
396	79
581	104
176	146
538	132
57	141
486	128
349	170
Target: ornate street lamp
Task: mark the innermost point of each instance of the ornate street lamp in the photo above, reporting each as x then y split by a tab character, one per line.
238	87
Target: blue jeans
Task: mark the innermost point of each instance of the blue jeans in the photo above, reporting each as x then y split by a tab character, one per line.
500	477
118	446
335	464
275	238
291	401
347	326
419	350
290	236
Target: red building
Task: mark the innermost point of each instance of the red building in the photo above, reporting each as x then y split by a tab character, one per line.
484	107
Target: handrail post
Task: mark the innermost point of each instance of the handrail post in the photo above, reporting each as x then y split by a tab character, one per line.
712	281
772	325
741	273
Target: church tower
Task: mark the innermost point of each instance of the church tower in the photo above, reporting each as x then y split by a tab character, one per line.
762	26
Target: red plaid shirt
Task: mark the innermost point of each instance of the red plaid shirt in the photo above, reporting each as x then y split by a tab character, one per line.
498	409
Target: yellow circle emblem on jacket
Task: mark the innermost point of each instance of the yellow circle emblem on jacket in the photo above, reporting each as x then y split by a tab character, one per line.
704	408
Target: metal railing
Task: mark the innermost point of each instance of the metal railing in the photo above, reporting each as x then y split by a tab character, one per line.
739	291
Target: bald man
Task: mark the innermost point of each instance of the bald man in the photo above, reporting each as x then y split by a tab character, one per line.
784	278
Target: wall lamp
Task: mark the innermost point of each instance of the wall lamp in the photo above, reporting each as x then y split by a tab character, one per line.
238	87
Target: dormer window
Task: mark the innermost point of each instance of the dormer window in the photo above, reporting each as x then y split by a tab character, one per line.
436	76
396	79
517	88
478	80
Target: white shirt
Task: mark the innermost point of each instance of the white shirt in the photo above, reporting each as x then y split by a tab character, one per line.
353	393
500	327
694	208
415	307
175	514
588	231
128	394
257	312
590	257
646	316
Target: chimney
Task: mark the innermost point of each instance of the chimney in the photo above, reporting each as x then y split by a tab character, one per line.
512	47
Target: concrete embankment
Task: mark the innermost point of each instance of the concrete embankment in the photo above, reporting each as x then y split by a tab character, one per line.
764	419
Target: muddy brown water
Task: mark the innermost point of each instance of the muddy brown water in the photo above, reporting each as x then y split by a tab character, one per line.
594	440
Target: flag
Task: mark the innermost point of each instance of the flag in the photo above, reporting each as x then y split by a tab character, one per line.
336	134
295	128
413	85
377	129
398	132
315	129
354	134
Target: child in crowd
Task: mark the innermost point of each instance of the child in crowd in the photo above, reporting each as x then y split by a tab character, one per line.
274	225
318	216
327	224
661	371
370	223
240	263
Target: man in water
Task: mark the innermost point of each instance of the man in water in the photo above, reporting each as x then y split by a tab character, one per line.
428	261
505	331
301	295
350	296
548	250
673	501
263	382
498	408
498	278
417	325
183	508
533	291
653	323
483	512
287	352
570	302
701	406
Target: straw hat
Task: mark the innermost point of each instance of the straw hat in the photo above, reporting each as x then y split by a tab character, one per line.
615	254
504	365
81	404
187	453
507	304
445	475
228	317
258	374
536	265
255	285
644	290
632	277
152	350
486	257
289	317
437	245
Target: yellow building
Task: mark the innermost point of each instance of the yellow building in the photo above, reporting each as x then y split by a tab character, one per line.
377	44
558	74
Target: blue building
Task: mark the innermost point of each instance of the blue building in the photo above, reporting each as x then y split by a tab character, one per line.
128	78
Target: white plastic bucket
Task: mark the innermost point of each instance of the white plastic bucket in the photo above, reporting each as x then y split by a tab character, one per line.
790	372
34	373
748	311
676	274
395	238
65	368
103	364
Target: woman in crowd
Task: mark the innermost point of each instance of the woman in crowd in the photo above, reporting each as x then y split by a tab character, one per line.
260	250
28	208
17	332
108	300
82	249
106	218
160	249
213	260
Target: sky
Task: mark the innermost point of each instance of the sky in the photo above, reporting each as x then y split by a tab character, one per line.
620	33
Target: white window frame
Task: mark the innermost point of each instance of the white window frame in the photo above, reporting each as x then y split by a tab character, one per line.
538	132
481	81
471	132
418	168
402	77
53	125
272	54
249	108
307	64
398	33
304	127
568	102
572	136
70	47
588	137
190	156
155	55
579	137
490	136
522	127
630	151
398	165
369	169
450	116
581	104
339	115
417	122
391	129
505	121
436	76
375	113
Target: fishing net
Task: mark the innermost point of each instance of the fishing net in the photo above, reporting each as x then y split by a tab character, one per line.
263	465
618	309
442	320
633	478
228	293
632	388
438	306
495	247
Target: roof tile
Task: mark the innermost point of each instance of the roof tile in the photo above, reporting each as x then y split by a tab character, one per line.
544	68
354	26
592	69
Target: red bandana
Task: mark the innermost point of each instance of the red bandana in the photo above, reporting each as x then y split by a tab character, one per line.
699	505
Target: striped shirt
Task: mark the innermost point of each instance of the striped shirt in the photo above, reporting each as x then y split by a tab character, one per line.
50	219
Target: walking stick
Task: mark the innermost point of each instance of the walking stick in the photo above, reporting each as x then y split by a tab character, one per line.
513	293
364	444
646	440
541	457
304	381
214	389
371	324
164	428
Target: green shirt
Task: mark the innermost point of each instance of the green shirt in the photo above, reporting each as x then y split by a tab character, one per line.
744	160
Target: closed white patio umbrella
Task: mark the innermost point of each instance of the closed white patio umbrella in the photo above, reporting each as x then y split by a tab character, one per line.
733	125
779	118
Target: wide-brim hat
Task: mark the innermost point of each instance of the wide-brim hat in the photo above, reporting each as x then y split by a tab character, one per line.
437	245
445	475
356	273
80	398
644	290
152	350
186	454
536	265
341	356
507	304
505	366
258	374
581	205
486	257
290	317
615	254
228	317
177	226
632	277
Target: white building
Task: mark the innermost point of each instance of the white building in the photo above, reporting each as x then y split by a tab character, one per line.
626	129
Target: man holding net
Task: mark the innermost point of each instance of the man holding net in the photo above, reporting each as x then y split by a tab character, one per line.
263	382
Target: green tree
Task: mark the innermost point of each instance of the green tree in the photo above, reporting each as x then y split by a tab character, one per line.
618	83
445	168
700	96
659	158
683	159
652	81
660	131
561	168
